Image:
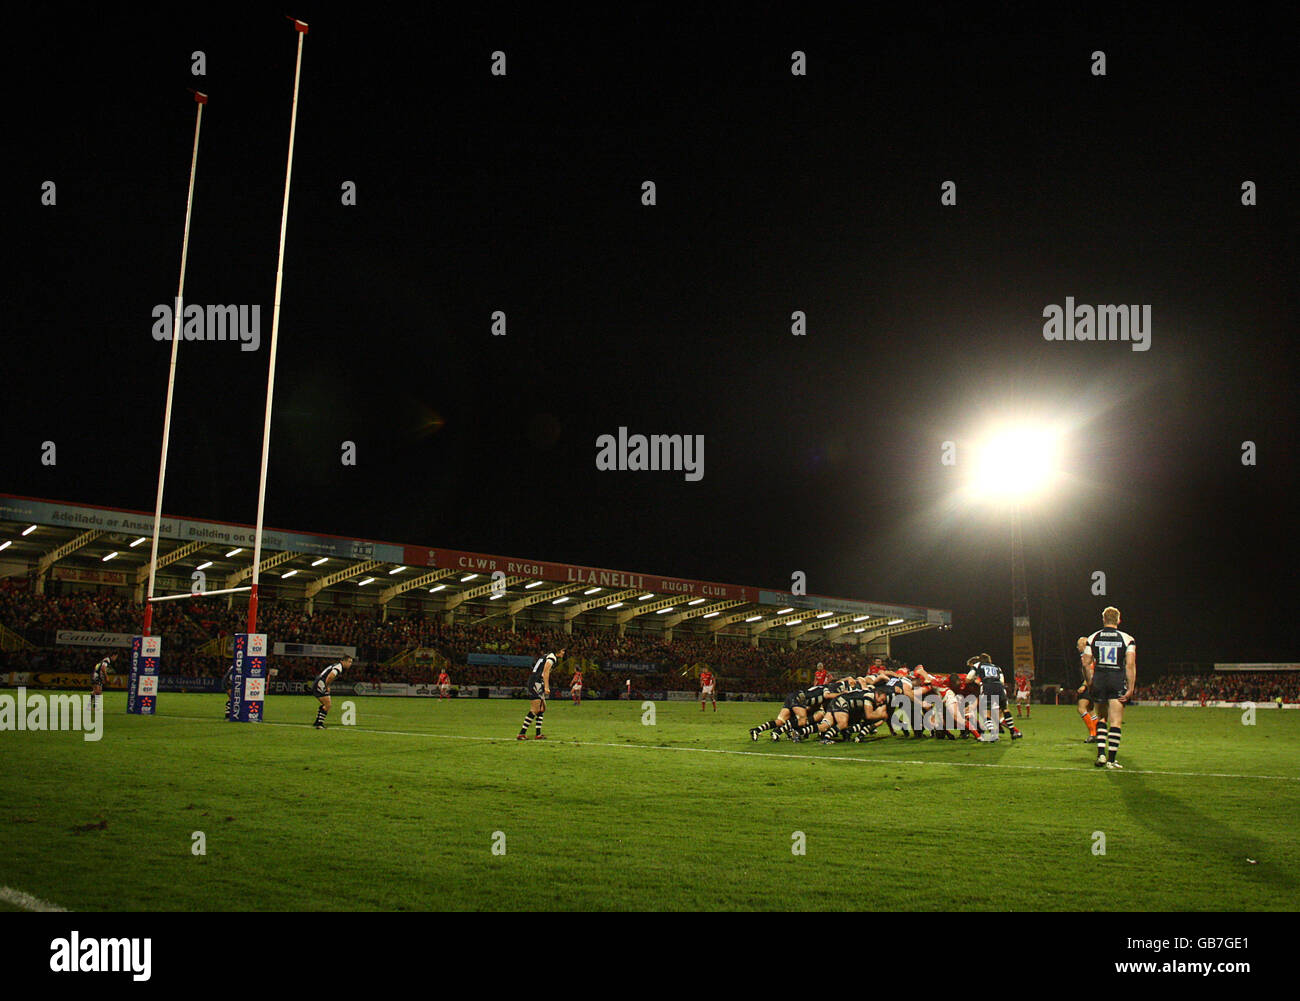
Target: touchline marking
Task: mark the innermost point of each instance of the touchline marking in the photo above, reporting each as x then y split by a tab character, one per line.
26	901
801	757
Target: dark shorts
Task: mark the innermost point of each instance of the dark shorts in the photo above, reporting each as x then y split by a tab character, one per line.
994	698
536	690
789	702
1108	685
319	690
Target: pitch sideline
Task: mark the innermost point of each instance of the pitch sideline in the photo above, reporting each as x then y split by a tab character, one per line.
26	902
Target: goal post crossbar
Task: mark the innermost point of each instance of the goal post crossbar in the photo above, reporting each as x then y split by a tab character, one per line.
200	594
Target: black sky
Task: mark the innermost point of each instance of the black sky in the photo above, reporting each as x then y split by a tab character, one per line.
775	193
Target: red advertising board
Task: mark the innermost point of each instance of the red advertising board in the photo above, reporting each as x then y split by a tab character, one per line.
566	573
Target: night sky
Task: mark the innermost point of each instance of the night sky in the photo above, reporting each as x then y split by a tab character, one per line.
775	193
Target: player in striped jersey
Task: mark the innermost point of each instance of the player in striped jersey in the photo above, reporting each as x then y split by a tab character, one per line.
993	694
852	714
899	694
1110	663
227	685
321	689
797	711
808	707
539	690
98	679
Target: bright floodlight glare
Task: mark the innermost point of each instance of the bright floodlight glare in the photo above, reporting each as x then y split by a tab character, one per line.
1016	464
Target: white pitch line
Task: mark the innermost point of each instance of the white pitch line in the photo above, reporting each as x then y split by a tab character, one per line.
26	901
819	757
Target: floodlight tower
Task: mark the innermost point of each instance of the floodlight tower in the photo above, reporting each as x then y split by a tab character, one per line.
1016	467
1022	642
1051	636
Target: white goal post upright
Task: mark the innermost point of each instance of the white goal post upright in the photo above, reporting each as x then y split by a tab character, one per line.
200	99
301	28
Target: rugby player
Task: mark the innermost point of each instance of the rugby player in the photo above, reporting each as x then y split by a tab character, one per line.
98	679
899	694
801	708
575	687
993	694
850	713
1110	663
1022	694
539	690
706	689
944	710
228	686
321	689
1083	702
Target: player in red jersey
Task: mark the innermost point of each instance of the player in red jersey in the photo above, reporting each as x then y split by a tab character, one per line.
937	700
1022	694
444	685
707	686
965	697
575	687
1083	702
822	676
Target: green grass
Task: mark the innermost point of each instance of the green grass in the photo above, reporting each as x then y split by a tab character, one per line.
399	811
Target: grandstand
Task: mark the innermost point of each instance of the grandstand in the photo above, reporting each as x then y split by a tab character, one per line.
73	569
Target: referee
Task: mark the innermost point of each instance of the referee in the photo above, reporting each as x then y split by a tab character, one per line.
1110	663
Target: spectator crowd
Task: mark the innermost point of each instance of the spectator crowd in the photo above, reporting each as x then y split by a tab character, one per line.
606	658
1235	686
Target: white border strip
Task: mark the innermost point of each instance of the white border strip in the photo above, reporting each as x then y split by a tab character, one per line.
26	901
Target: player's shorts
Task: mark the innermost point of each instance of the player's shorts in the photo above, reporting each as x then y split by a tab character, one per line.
707	690
791	701
96	689
577	689
536	689
995	698
444	689
1022	695
1108	685
319	690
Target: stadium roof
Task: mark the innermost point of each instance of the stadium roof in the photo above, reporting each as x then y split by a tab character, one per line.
100	545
